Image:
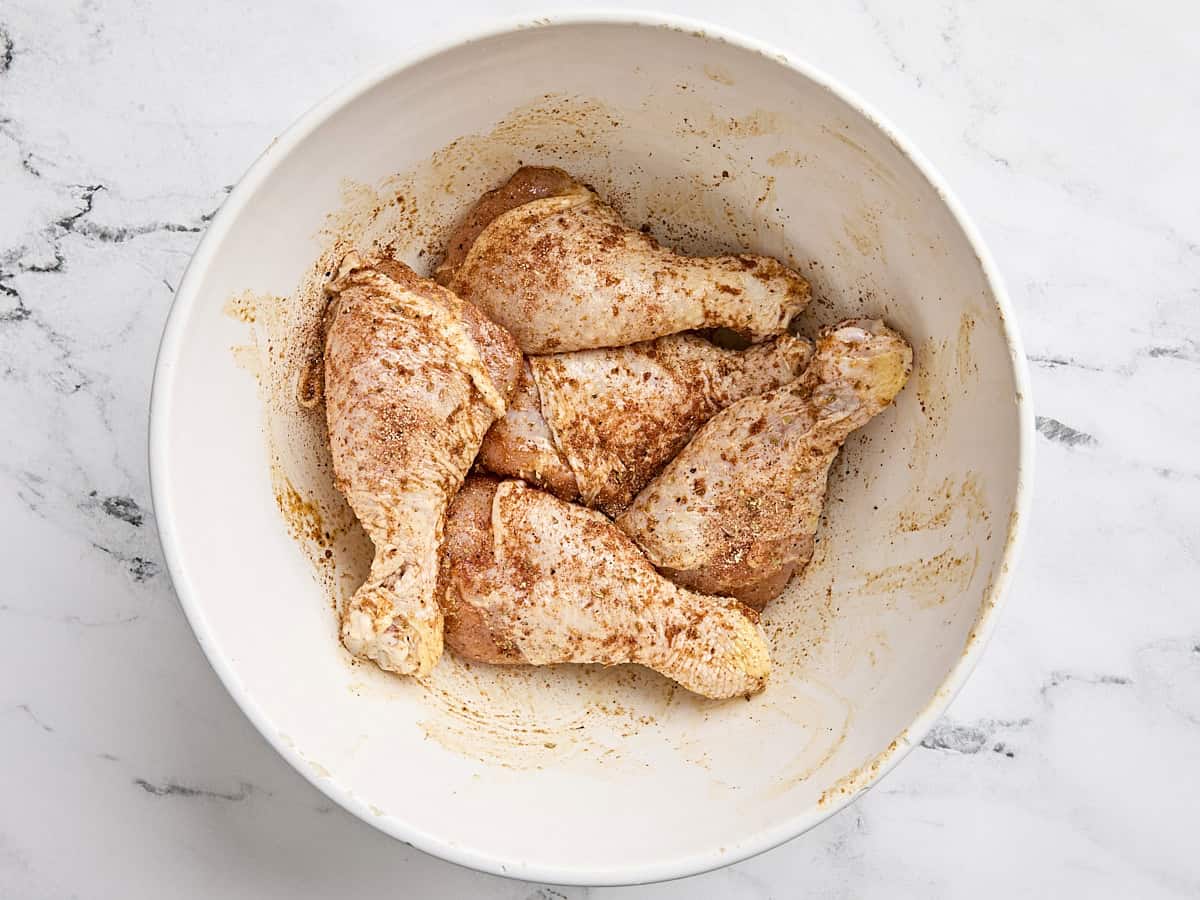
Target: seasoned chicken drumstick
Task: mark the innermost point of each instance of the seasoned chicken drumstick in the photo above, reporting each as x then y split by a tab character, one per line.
598	424
528	578
563	272
413	378
736	511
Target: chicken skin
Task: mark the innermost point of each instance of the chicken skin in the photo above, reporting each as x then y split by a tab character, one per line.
597	425
521	445
562	272
529	578
413	379
736	511
527	184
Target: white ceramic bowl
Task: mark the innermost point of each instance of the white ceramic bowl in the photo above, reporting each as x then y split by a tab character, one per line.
585	775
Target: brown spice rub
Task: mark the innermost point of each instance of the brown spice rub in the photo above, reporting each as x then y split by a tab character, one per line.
529	578
467	548
495	344
413	378
520	445
527	184
563	272
736	512
599	424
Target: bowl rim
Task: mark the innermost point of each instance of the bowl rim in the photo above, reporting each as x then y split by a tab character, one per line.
175	329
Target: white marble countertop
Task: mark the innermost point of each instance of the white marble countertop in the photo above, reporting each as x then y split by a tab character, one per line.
1069	765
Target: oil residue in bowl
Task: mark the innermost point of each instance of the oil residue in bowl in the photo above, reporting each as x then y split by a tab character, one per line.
586	717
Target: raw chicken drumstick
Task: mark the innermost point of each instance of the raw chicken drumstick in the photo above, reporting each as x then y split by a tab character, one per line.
413	378
597	425
736	511
529	578
563	272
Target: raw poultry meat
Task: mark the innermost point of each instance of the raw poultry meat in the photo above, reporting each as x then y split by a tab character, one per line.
413	379
526	184
529	578
521	445
736	511
597	425
563	272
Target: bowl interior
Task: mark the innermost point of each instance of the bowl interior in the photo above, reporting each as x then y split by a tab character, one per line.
573	774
